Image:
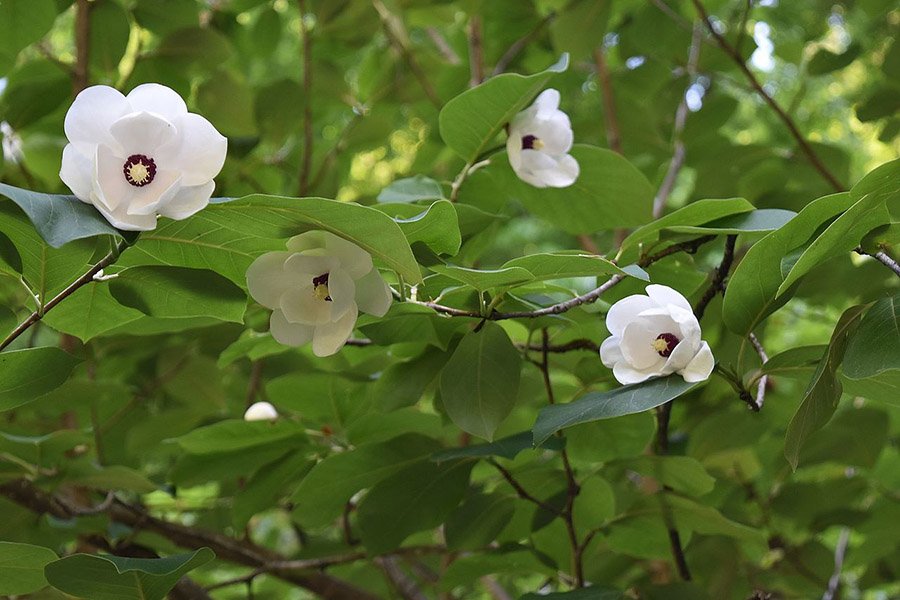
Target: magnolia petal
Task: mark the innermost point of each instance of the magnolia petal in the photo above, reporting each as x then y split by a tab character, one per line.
354	260
563	174
159	99
188	201
109	185
555	133
287	333
342	291
637	348
120	219
300	305
202	150
373	294
331	337
304	266
266	278
626	374
610	352
664	295
76	172
625	311
701	366
92	113
143	133
260	411
514	149
547	103
678	359
147	200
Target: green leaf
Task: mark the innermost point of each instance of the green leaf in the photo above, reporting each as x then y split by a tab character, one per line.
625	400
25	375
693	215
22	22
118	578
412	189
559	265
610	192
752	292
113	477
793	362
681	473
483	280
227	436
22	568
478	521
825	61
322	494
755	221
415	498
89	312
228	235
266	486
578	28
179	292
480	382
875	347
845	233
508	447
437	226
403	383
59	219
110	29
470	122
822	395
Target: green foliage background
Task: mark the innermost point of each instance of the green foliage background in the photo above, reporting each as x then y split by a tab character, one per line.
121	434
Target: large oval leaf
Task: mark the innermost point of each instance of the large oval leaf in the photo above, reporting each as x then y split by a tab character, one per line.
471	121
480	382
25	375
22	568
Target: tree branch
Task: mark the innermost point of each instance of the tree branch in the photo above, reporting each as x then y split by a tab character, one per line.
25	494
732	52
306	56
834	583
613	135
476	51
71	289
520	44
764	380
718	282
681	113
882	257
81	68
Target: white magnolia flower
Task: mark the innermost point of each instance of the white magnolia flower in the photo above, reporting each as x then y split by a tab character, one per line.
655	335
316	290
540	138
261	411
138	156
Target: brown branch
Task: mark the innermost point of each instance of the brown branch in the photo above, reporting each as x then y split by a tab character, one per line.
81	68
732	52
613	135
70	289
718	281
520	44
403	583
393	30
25	494
521	491
883	258
255	384
306	56
476	51
443	47
681	113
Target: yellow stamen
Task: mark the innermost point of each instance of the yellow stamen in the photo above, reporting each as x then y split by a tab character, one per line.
537	144
138	172
321	291
660	345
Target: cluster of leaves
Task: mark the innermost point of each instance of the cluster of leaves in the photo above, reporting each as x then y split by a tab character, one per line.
122	402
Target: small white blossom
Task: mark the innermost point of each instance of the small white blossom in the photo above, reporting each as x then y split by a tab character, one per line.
261	411
138	156
316	290
655	335
540	138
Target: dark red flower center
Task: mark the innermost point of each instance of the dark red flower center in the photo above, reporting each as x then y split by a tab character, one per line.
139	170
531	142
665	343
320	287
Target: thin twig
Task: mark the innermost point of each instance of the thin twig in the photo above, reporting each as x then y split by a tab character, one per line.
840	551
521	491
613	135
306	53
520	44
764	358
255	384
718	282
443	47
403	583
732	52
81	68
681	113
476	51
391	26
70	289
883	258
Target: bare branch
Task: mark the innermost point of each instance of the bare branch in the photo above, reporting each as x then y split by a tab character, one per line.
840	551
883	258
476	51
306	59
764	358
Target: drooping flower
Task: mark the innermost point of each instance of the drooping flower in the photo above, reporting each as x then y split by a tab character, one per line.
138	156
539	141
655	335
261	411
316	290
